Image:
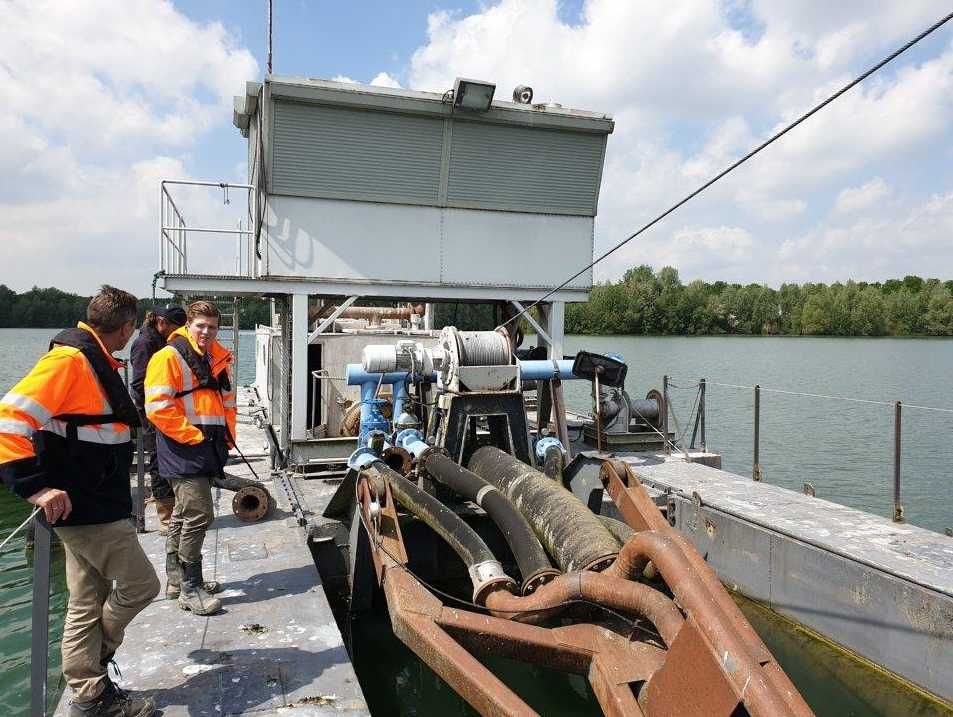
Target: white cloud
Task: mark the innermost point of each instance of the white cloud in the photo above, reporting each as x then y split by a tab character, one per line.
100	101
692	88
382	79
855	199
917	241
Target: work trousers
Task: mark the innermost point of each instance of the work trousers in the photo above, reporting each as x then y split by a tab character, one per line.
161	488
110	580
191	517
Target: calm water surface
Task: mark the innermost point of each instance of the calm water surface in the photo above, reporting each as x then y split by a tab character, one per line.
844	449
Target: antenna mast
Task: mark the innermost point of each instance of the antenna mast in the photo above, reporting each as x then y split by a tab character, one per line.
269	36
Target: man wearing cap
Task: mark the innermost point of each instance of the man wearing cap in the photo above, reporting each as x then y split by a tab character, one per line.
157	327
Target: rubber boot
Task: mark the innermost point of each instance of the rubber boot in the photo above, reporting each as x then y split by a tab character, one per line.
164	512
113	702
194	598
173	576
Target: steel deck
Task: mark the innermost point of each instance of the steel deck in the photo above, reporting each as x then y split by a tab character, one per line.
274	648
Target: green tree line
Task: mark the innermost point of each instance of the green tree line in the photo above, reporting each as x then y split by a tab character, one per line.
642	302
646	302
54	309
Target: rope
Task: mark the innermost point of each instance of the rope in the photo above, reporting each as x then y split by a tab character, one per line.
738	163
20	527
833	398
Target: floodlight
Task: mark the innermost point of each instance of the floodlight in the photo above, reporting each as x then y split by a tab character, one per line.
473	95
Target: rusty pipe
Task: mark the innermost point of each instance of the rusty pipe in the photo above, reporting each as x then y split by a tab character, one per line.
640	512
688	586
624	595
370	312
251	501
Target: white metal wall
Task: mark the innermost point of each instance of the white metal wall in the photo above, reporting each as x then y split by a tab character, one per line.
338	239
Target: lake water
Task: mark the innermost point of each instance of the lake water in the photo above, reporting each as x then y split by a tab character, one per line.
845	449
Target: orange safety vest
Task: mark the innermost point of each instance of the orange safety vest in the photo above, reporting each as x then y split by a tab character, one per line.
48	438
194	414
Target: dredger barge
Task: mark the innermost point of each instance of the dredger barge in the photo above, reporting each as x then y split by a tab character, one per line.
436	474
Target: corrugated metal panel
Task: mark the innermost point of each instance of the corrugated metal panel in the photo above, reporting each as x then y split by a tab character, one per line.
355	154
524	170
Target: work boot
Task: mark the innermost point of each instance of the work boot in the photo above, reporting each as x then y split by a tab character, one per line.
164	512
194	597
173	576
113	702
173	571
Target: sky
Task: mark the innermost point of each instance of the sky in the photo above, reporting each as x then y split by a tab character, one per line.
103	99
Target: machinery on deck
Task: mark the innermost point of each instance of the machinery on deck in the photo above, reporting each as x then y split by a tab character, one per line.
629	604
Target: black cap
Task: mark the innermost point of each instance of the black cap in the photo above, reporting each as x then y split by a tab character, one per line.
172	313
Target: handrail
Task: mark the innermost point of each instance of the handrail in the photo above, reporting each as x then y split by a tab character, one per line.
174	231
897	406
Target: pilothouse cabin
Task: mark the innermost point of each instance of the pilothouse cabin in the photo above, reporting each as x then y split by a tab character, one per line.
358	192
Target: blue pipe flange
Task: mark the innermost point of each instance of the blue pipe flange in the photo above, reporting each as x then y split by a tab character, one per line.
361	458
546	443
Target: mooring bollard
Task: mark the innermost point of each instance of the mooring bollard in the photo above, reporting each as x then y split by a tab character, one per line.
897	506
701	409
756	473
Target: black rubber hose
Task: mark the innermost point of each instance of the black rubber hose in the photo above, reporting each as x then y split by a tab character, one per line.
533	563
447	524
571	533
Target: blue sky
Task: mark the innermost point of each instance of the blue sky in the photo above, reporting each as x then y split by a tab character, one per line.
104	98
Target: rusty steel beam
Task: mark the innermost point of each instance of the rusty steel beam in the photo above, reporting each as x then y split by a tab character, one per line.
745	660
625	595
412	612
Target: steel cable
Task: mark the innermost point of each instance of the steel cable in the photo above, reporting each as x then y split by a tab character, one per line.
738	163
833	398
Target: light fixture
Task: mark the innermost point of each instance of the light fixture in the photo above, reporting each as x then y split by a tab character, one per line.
523	94
473	95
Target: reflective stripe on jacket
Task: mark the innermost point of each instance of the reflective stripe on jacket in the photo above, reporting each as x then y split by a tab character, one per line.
35	452
192	429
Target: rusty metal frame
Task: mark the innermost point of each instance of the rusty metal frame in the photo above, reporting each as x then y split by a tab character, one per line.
708	661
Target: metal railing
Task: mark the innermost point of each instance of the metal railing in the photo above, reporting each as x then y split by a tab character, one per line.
757	472
174	231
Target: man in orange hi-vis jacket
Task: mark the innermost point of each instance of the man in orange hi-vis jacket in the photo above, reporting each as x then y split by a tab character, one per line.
65	446
190	398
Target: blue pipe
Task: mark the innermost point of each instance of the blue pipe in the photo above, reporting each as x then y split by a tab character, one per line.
357	376
371	417
545	370
400	396
412	441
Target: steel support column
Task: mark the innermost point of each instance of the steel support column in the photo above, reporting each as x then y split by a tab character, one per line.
299	366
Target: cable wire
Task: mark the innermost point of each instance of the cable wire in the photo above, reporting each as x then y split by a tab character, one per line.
19	527
738	163
833	398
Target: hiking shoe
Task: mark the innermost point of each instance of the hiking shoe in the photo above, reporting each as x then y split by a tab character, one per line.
194	598
113	702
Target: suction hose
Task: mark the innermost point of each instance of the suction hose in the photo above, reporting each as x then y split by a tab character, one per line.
484	569
570	532
533	563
